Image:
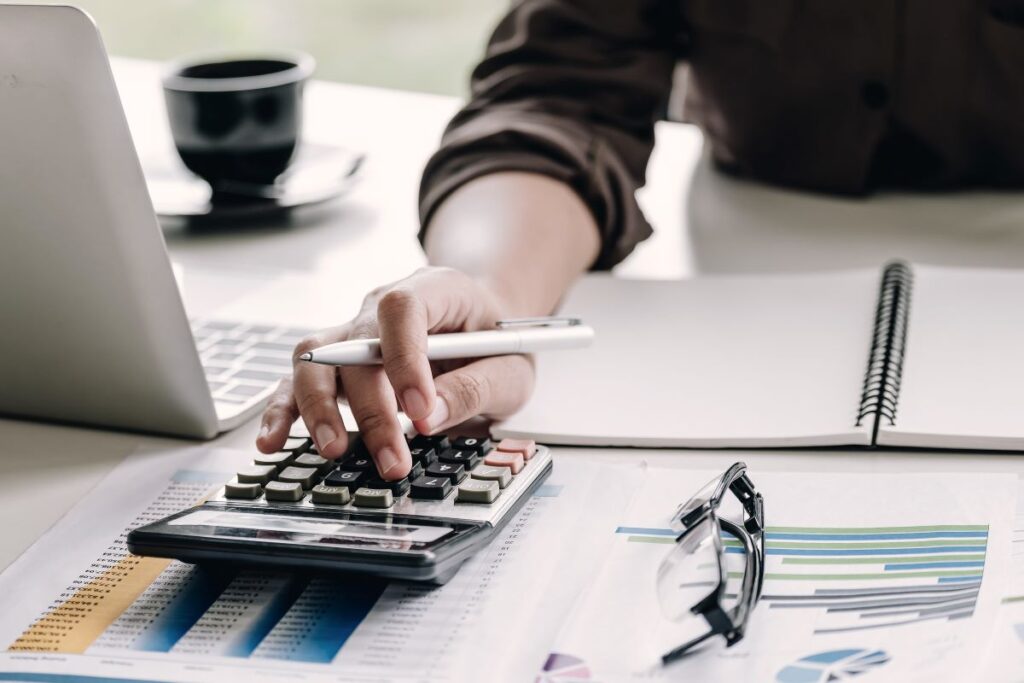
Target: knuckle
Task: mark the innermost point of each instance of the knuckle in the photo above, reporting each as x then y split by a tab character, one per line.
364	327
373	421
404	364
282	398
307	344
313	403
279	403
397	301
373	297
376	293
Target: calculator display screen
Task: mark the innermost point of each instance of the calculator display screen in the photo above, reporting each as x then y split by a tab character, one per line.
312	530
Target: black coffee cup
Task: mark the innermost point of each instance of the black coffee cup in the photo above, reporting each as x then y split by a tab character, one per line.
237	122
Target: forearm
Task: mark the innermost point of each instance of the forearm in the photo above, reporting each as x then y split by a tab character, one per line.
526	236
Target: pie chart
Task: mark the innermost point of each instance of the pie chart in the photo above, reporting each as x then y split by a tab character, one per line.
832	665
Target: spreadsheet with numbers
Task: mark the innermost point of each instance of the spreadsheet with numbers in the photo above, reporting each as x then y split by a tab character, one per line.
104	612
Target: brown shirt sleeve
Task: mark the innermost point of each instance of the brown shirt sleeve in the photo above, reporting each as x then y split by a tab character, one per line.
570	89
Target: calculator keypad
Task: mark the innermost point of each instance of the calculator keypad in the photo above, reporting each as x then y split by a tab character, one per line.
285	491
513	461
479	446
350	480
256	474
466	458
278	460
501	475
237	489
373	498
478	491
455	472
431	488
299	475
472	470
330	495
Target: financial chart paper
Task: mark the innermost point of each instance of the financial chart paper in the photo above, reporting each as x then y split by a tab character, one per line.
78	603
863	575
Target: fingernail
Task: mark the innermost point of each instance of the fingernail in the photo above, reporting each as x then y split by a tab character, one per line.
324	436
439	416
387	460
264	432
415	404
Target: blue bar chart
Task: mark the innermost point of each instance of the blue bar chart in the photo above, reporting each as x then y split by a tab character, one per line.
862	578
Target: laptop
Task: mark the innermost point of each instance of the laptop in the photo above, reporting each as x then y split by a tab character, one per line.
93	330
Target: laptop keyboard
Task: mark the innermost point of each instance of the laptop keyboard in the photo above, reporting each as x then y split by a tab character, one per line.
243	361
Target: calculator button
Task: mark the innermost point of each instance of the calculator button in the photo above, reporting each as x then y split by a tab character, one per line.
349	480
467	458
431	488
296	443
482	446
298	475
317	462
397	488
278	460
438	442
455	472
358	463
502	475
513	461
373	498
478	491
356	446
424	455
331	495
283	490
416	471
527	447
235	489
256	474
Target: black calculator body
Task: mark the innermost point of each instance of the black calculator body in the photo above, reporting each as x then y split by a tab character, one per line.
419	529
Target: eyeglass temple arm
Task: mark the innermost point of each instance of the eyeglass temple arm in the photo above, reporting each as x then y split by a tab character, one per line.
681	651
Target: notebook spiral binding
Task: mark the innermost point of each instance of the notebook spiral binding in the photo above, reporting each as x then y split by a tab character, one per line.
888	344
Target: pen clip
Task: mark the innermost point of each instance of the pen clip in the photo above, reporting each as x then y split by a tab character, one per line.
546	321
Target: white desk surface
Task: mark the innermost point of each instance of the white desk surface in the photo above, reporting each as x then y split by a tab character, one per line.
705	223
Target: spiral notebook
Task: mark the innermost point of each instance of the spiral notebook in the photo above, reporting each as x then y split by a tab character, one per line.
903	355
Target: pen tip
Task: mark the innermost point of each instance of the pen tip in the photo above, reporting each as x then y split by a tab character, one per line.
306	356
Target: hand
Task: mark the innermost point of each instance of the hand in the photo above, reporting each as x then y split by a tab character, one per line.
434	396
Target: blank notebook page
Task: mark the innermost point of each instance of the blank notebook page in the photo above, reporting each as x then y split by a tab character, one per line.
712	362
963	374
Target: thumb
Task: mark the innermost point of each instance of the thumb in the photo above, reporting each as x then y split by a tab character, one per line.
493	387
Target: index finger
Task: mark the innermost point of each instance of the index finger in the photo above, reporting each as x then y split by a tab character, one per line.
316	397
403	323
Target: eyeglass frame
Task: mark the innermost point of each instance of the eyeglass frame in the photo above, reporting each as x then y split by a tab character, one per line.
751	534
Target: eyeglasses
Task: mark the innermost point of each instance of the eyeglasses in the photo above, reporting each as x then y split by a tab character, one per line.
692	578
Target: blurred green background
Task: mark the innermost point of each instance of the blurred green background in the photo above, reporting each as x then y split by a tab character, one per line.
422	45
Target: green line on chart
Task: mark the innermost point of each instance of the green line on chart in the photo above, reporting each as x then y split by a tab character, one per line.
1014	598
863	577
883	559
650	539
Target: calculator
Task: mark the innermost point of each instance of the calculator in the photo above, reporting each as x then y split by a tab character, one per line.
297	509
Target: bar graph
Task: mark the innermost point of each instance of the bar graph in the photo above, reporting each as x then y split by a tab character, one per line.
166	620
862	578
127	603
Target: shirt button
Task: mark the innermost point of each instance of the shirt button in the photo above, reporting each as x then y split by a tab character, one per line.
874	94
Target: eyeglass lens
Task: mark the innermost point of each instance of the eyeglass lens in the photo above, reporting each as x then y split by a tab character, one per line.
690	572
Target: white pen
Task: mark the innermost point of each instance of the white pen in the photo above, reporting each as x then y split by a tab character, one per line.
525	335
